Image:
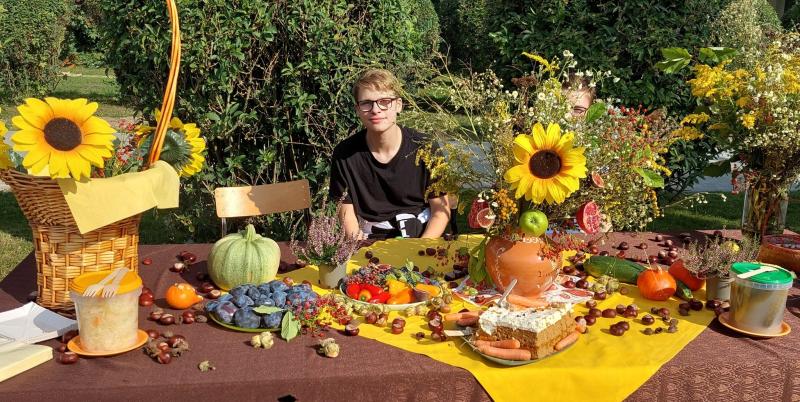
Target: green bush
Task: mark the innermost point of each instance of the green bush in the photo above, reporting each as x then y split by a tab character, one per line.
82	39
31	39
267	81
427	24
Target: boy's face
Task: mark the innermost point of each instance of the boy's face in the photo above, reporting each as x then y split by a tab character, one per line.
378	109
581	100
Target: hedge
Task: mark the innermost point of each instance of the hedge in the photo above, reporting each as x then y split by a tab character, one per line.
32	35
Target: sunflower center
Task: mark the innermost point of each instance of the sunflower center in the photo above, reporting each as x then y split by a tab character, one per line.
545	164
62	134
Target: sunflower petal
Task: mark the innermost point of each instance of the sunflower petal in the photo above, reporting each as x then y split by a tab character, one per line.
83	110
78	167
524	141
565	143
28	136
33	123
90	154
539	136
60	107
574	171
524	186
570	183
58	165
36	112
100	140
538	190
553	135
516	173
96	125
34	155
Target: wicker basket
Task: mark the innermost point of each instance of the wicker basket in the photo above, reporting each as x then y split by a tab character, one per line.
782	250
62	252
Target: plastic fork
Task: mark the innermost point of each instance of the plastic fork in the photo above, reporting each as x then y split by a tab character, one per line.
111	290
93	290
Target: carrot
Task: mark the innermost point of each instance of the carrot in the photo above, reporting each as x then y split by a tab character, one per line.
506	344
526	302
467	321
508	354
567	340
458	316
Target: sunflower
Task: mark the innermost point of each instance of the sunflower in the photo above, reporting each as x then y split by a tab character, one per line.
549	167
62	135
183	147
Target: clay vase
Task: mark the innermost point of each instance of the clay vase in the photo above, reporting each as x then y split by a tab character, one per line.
521	260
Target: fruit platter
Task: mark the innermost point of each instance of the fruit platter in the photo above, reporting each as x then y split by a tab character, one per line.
392	288
264	307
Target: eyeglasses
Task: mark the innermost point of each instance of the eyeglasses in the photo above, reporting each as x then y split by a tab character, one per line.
383	104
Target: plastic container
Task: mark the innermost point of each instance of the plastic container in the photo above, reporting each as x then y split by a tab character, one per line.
758	301
110	324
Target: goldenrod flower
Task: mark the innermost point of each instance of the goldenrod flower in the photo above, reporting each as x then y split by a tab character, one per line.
748	120
549	167
62	135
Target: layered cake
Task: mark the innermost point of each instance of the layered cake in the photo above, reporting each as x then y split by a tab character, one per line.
537	329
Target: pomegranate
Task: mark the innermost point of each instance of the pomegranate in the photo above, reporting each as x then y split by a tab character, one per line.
588	217
479	207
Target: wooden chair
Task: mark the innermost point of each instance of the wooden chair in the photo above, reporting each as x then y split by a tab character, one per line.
234	202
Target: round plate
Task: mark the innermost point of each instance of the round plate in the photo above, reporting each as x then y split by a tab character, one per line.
390	307
513	363
240	329
723	319
75	345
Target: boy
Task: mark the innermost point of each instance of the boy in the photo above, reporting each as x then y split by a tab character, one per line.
375	172
580	93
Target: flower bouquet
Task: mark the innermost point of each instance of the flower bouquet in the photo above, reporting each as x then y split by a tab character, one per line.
545	172
62	163
751	111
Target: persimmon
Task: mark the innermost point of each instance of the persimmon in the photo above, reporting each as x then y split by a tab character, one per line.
182	296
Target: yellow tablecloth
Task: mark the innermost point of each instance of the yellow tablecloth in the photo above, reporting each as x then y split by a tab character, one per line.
599	367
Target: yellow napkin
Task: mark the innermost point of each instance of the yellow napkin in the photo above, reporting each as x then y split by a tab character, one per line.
599	367
96	203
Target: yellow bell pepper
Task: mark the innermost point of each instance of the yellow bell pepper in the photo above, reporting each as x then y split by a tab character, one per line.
431	289
396	286
402	297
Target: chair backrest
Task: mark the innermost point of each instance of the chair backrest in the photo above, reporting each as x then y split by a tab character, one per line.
264	199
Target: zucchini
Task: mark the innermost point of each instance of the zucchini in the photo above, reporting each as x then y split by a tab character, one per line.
625	271
682	291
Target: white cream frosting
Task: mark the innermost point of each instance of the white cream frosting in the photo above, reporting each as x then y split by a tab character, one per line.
530	319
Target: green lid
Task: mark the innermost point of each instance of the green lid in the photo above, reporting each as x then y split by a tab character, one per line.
779	276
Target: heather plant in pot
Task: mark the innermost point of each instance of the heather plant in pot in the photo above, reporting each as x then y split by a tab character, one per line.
712	261
327	246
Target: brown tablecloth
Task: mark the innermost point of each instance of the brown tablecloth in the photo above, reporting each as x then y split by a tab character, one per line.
718	365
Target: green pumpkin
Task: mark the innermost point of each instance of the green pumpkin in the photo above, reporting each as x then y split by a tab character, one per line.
244	257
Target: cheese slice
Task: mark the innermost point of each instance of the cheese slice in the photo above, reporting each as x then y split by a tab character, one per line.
17	357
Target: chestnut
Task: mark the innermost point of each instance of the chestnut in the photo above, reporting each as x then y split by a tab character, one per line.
153	334
648	331
609	313
569	284
399	321
174	340
187	314
590	320
189	258
582	284
594	250
652	259
164	357
162	346
624	290
663	312
718	311
371	317
145	301
648	319
668	242
713	304
155	315
351	329
623	246
595	312
696	305
600	295
662	254
434	325
569	270
68	336
146	290
439	336
397	329
672	254
206	287
445	308
617	331
624	325
659	238
166	319
684	305
591	303
643	246
382	319
669	260
62	348
621	254
620	309
604	253
214	294
683	311
432	313
187	320
68	358
419	336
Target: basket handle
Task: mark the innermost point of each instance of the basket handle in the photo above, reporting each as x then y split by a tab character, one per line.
169	93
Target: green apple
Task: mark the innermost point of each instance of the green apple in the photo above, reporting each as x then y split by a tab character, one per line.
533	222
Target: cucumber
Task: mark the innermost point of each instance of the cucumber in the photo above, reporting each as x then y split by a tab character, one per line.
625	271
682	291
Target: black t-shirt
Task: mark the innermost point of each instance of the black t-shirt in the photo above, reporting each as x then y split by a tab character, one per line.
380	191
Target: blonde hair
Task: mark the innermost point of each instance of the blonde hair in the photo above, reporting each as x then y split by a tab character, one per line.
379	80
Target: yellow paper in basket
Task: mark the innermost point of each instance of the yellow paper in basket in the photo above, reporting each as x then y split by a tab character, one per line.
99	202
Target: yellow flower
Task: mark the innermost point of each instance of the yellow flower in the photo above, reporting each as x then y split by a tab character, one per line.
695	119
743	101
687	133
5	159
748	120
549	167
183	147
62	136
541	60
